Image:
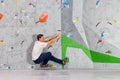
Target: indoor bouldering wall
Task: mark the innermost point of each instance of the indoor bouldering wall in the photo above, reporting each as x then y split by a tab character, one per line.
89	32
19	25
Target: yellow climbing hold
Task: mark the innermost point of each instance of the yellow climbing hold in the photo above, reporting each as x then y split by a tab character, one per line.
77	19
114	20
21	11
17	1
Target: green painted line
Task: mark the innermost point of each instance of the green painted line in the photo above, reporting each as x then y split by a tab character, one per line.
103	58
67	42
92	55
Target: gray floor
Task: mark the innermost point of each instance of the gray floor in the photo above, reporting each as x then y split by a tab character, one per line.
59	75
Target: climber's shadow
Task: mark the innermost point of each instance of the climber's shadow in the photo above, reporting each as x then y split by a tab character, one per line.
29	50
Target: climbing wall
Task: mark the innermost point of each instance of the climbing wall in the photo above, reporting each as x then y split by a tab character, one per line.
74	34
101	24
89	32
91	27
19	25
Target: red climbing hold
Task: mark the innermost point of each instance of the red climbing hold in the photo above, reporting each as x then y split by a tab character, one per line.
99	41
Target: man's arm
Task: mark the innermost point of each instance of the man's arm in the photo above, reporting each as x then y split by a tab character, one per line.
51	37
53	40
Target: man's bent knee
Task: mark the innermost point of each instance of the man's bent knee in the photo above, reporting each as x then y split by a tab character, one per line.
49	53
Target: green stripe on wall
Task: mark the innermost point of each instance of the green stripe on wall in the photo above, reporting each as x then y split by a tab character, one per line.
103	58
93	55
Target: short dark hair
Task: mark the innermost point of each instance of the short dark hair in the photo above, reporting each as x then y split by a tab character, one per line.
39	36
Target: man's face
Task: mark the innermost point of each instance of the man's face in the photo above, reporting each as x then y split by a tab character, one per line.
41	39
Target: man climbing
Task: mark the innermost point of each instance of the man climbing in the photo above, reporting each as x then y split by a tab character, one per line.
40	55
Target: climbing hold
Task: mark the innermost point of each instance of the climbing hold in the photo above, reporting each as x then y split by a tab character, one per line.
102	34
2	1
114	20
1	42
109	23
43	18
77	19
21	21
65	3
21	10
109	52
98	3
1	16
70	35
17	1
16	14
99	41
67	60
59	30
98	24
31	4
12	47
22	42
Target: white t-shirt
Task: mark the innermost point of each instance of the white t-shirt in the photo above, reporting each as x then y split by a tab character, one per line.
38	49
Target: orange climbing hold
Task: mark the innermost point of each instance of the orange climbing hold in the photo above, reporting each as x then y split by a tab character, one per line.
1	15
43	17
